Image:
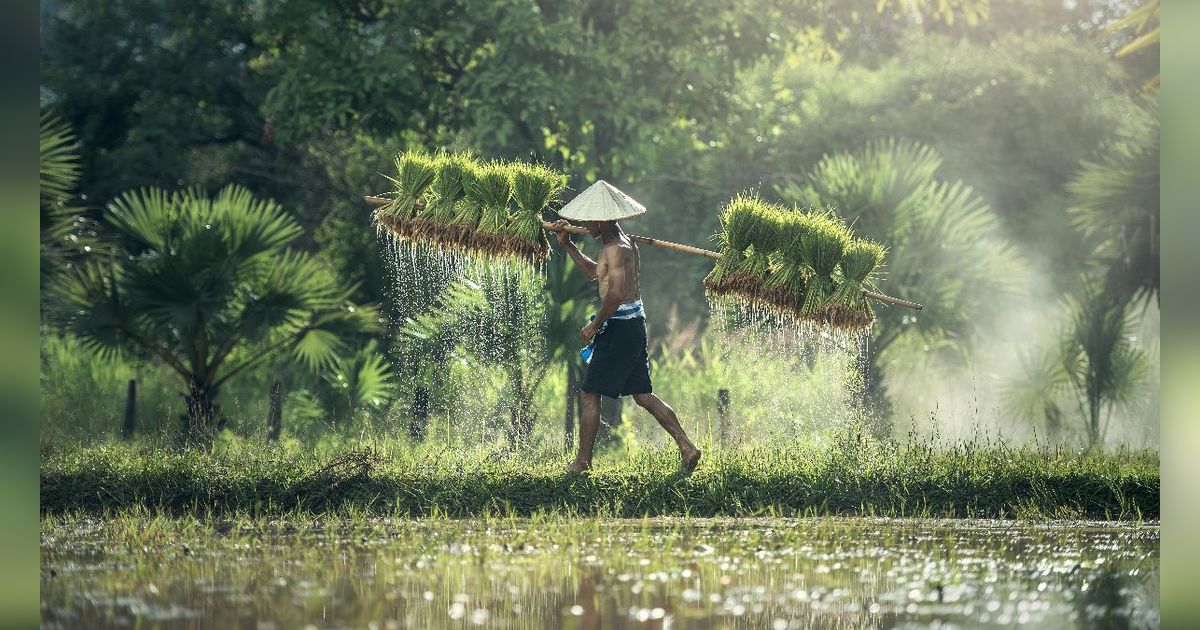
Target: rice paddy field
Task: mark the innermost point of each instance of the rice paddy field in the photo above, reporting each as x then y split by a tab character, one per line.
867	534
142	569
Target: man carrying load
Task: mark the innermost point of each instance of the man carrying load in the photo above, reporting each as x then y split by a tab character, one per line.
616	356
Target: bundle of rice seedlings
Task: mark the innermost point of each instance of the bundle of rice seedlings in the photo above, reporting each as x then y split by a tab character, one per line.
469	209
751	274
491	190
732	240
822	247
415	173
535	187
432	222
847	305
784	288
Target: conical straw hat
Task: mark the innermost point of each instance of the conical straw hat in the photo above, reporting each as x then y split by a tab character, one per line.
601	202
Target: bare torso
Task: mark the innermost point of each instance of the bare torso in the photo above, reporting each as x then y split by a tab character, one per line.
623	256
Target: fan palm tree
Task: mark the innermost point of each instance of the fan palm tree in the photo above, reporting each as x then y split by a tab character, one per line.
528	332
1102	363
1144	22
1116	205
1094	362
357	381
63	230
944	241
209	287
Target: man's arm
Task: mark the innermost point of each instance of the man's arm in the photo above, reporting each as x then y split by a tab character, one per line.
583	262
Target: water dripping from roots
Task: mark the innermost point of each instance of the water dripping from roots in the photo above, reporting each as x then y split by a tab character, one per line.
788	378
481	340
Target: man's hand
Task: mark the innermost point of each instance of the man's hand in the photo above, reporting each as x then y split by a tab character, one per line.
563	237
587	332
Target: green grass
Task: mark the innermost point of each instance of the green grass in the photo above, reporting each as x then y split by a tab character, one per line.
856	476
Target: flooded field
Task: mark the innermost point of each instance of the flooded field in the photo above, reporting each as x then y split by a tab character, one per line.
155	572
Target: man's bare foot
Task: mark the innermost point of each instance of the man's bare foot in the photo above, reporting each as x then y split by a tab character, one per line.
688	459
576	467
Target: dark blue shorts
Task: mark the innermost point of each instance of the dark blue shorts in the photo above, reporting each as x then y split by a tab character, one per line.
620	365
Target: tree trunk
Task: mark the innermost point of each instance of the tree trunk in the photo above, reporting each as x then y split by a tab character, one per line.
419	422
569	408
275	415
130	411
200	423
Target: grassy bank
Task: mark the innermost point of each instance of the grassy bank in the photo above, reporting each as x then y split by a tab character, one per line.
851	477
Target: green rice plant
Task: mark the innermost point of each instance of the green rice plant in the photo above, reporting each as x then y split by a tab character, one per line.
469	208
741	222
765	234
535	187
784	288
416	171
847	308
859	266
491	190
732	240
823	247
432	222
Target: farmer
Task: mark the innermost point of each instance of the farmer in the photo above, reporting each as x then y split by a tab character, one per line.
617	363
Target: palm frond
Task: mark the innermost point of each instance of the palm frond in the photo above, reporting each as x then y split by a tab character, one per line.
59	160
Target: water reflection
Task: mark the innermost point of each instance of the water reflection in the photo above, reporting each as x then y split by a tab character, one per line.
756	573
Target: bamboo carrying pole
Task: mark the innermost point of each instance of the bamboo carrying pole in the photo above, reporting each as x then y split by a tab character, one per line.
677	247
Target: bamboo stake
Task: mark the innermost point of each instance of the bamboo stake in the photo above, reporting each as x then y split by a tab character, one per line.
677	247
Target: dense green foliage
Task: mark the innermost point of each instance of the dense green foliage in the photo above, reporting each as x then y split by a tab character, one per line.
857	476
208	287
1025	146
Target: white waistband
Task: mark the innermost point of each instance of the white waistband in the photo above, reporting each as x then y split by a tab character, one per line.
630	310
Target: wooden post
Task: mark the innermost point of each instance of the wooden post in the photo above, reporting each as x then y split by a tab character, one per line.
723	414
275	414
130	411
